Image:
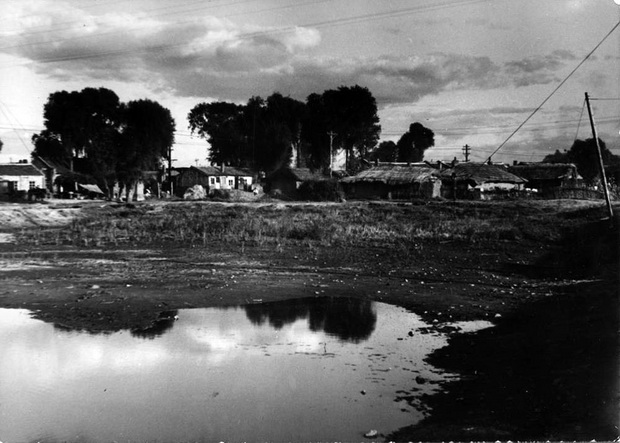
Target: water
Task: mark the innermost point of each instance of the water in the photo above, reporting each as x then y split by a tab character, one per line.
311	369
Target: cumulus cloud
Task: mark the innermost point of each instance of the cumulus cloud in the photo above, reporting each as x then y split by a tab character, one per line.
215	57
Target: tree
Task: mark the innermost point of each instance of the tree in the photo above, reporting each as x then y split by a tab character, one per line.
220	124
146	139
352	113
113	141
260	134
387	151
585	156
413	143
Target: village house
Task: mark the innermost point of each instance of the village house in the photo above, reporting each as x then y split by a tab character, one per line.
18	178
286	181
479	181
212	177
399	181
548	179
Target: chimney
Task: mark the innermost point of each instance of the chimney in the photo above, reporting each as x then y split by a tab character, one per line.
439	165
223	167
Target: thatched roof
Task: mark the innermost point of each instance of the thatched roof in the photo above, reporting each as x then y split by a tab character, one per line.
545	171
481	173
394	175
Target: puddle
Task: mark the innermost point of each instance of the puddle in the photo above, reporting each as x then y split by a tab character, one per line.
311	369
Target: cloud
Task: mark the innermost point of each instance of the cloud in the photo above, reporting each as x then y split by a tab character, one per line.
215	57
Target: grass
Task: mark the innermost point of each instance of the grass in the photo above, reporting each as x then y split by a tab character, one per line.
326	225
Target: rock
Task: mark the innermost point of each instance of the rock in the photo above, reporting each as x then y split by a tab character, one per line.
196	192
371	434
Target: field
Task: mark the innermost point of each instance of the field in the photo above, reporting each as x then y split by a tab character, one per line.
545	272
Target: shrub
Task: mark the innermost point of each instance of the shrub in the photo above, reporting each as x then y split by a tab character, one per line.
321	190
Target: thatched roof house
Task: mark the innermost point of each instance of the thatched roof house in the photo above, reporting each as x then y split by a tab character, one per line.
548	177
394	181
286	181
479	181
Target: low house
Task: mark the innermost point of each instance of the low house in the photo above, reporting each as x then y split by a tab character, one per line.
286	181
212	177
479	181
548	179
18	178
394	181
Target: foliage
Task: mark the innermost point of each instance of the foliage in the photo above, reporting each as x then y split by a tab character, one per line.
321	190
260	134
113	141
349	114
413	143
583	153
387	151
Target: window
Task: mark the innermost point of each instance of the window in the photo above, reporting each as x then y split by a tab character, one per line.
31	185
217	179
212	180
231	182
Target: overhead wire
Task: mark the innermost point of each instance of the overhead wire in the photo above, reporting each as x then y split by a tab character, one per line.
555	90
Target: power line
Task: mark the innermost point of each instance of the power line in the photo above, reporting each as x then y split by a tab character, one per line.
556	89
318	24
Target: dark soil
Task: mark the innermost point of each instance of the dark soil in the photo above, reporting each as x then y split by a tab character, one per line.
548	370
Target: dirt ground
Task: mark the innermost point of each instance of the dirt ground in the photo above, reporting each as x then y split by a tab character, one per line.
547	371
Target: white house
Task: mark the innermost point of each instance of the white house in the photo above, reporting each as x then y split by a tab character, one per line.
20	177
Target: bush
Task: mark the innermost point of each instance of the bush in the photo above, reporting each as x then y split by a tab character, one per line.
323	190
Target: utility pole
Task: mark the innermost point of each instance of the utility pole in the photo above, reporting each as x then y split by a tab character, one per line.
170	169
331	134
600	159
466	152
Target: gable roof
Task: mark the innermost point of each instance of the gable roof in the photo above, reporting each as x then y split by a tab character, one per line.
394	175
545	171
18	169
481	173
228	171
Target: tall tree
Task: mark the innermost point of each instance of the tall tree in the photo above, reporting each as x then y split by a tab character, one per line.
113	141
352	114
345	119
583	153
387	151
145	141
413	143
220	124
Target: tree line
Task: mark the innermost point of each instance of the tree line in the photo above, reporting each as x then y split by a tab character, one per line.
111	141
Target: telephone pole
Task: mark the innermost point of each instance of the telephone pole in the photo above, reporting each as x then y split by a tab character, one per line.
466	150
600	159
331	134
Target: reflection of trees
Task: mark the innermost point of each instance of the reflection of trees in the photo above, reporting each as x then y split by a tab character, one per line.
164	322
348	319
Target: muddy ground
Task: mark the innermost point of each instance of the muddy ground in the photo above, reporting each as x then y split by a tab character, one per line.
547	371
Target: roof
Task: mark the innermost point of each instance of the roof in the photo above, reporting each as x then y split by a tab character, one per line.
18	169
298	174
91	188
481	173
394	175
228	171
545	171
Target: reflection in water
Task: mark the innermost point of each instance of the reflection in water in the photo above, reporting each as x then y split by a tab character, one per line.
316	369
164	322
348	319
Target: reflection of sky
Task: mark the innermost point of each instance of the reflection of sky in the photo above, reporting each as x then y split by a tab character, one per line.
212	365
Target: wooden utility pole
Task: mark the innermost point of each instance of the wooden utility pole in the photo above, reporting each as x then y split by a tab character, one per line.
600	159
170	170
331	134
466	149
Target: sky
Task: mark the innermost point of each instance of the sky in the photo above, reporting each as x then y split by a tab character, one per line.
472	71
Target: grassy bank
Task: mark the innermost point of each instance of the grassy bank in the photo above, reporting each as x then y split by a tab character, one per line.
191	224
